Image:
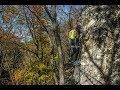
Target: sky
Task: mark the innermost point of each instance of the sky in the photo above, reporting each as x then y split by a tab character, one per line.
67	8
62	17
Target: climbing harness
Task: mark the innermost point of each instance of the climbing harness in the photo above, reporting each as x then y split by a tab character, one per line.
76	47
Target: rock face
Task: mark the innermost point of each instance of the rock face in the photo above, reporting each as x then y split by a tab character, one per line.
100	60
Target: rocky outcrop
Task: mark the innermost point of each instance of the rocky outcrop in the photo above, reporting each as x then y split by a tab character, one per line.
100	55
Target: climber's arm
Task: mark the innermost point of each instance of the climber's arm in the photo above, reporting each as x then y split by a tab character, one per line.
84	35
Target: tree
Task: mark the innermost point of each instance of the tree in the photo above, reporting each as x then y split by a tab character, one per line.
53	18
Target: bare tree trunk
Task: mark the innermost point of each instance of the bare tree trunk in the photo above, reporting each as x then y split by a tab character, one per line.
51	61
56	31
59	47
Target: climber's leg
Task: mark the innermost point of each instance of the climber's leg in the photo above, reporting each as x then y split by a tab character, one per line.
76	62
77	54
72	51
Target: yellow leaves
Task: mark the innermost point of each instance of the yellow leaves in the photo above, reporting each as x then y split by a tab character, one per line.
46	79
27	76
56	58
31	46
28	81
47	51
7	65
40	66
43	77
31	74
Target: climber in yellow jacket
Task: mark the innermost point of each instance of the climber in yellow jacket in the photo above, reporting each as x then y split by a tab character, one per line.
76	35
73	43
72	34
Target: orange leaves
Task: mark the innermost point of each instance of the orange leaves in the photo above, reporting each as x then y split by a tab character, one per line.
8	42
18	74
37	8
9	12
8	37
11	8
19	22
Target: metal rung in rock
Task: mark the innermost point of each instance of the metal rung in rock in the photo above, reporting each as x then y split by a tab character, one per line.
77	62
75	46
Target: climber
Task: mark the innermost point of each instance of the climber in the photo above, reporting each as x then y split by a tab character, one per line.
78	42
72	36
76	36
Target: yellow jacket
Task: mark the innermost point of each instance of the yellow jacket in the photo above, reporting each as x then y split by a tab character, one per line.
72	34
